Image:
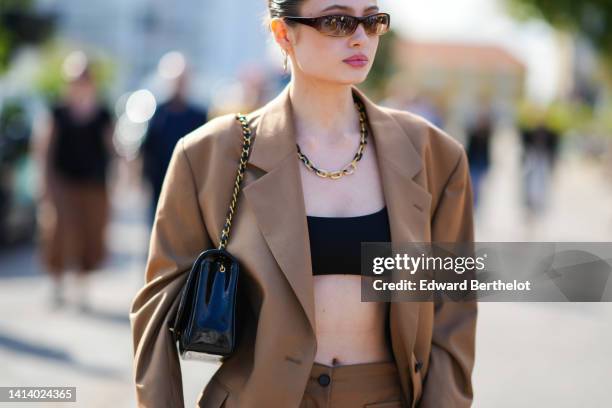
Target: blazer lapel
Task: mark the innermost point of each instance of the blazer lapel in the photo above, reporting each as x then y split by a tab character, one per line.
277	199
409	209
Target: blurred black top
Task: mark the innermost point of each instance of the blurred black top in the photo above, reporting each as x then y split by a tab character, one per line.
79	153
478	147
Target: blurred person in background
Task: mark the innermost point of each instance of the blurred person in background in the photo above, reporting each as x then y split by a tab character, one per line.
425	106
478	150
74	149
306	338
540	151
172	120
403	98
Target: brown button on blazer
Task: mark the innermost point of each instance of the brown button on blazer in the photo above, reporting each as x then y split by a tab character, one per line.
428	195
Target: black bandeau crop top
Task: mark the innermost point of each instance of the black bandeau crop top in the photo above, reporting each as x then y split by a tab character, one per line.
335	242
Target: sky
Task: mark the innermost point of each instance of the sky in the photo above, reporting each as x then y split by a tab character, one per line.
483	21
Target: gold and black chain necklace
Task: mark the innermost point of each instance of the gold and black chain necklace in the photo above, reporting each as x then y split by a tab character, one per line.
349	168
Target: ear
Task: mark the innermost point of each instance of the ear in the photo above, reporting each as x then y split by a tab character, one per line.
281	32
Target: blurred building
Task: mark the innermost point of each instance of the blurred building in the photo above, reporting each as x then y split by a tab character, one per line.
462	77
216	36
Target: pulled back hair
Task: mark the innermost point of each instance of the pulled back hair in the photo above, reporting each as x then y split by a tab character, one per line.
282	8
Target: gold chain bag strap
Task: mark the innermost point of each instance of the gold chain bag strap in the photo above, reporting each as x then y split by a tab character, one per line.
206	322
244	157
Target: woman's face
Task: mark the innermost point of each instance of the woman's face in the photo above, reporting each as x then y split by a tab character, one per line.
82	90
321	57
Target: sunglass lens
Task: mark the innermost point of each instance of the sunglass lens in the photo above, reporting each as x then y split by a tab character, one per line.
377	24
338	25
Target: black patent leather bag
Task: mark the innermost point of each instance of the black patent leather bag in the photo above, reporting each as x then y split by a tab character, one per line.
207	318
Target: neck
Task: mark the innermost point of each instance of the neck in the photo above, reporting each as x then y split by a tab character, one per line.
323	113
177	102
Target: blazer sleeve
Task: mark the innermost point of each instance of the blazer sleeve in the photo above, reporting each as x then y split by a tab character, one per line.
448	380
177	237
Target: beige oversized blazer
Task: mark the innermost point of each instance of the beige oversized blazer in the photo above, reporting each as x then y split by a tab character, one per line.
428	196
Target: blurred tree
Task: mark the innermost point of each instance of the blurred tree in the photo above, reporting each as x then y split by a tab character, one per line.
384	66
49	81
590	18
20	24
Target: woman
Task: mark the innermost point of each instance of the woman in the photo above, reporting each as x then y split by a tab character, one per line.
309	341
74	211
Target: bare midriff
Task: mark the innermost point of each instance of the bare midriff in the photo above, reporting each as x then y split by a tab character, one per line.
348	331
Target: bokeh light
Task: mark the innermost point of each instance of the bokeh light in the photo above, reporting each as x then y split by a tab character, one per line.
140	106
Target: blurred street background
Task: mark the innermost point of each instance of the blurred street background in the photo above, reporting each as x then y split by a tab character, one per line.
524	85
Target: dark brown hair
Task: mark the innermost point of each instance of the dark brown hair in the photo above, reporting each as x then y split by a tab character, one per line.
282	8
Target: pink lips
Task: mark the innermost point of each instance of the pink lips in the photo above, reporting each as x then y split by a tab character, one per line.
357	60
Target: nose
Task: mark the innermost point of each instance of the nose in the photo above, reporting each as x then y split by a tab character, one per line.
359	36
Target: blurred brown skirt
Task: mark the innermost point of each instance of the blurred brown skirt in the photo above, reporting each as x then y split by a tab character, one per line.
73	226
